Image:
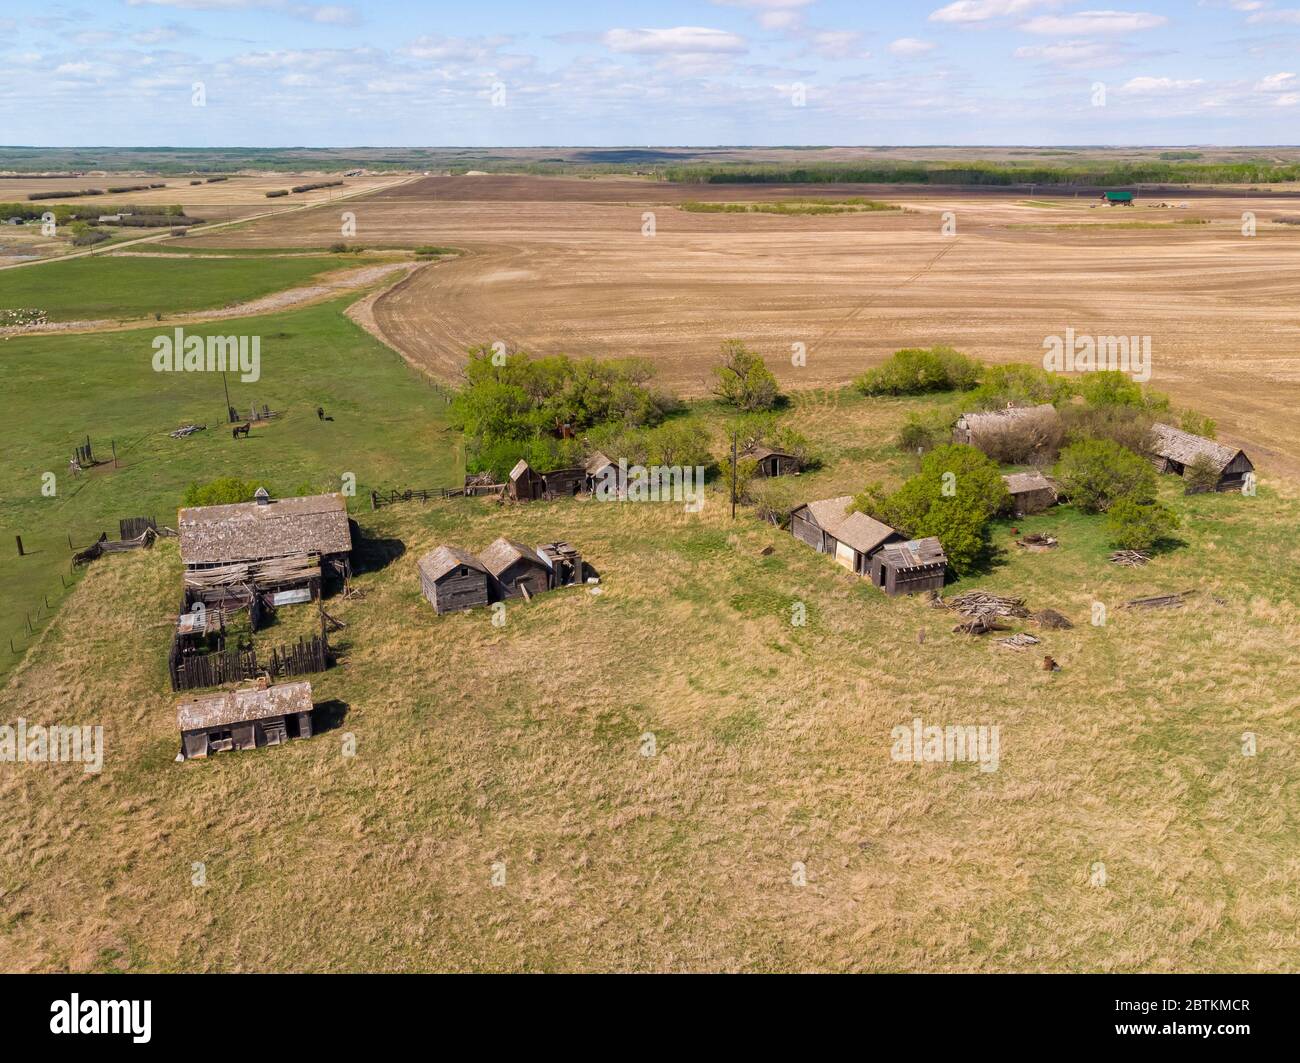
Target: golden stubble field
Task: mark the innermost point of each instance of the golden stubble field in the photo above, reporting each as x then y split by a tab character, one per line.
559	264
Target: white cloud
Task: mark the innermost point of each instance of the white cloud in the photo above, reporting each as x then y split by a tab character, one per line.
683	40
1146	86
329	14
985	10
1087	23
837	44
910	47
1276	83
1071	53
1288	15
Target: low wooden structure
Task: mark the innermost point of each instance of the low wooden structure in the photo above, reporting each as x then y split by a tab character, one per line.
906	568
600	469
1173	451
523	484
851	538
516	570
270	545
564	562
244	719
453	579
1031	492
771	462
563	483
977	429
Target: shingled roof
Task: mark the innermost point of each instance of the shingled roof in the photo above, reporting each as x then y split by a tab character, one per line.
505	552
249	531
1021	483
240	706
1185	448
914	553
759	451
862	533
976	421
828	512
595	463
520	468
441	560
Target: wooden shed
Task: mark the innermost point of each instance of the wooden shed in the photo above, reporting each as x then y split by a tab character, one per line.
771	462
523	484
272	545
1173	450
244	719
598	468
516	570
564	562
977	429
906	568
851	538
453	579
1031	492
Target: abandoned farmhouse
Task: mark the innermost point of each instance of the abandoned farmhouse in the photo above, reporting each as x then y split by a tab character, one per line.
1174	451
244	719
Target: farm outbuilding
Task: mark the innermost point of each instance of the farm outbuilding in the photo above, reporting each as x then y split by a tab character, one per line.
1173	451
244	719
516	570
271	545
523	484
564	562
453	579
599	468
1031	492
771	462
910	567
851	538
980	430
563	483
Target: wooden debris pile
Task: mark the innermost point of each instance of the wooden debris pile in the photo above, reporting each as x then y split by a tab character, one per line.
979	625
1019	640
1051	619
1160	601
1036	543
187	430
982	604
1131	558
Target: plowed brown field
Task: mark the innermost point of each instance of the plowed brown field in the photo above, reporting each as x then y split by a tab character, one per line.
557	264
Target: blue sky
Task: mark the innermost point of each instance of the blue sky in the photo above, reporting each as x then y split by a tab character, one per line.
281	72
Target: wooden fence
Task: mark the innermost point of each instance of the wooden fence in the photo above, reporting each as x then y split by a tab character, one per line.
235	665
379	499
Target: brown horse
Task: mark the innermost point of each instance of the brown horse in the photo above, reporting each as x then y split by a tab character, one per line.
240	430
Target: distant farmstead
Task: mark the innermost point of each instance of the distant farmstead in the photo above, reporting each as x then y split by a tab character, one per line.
1174	451
1031	492
244	719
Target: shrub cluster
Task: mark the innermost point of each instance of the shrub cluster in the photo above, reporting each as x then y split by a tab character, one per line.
918	371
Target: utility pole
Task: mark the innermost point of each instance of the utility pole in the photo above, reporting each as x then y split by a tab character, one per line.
227	388
733	474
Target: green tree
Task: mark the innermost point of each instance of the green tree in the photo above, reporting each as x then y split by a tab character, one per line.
224	490
1095	473
1202	474
744	380
1138	526
918	370
1198	425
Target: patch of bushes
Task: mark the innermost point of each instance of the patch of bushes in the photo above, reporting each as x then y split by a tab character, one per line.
65	195
743	379
1133	525
1096	473
919	371
223	491
313	187
276	193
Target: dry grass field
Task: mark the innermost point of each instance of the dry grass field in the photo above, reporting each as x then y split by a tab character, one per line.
560	264
521	746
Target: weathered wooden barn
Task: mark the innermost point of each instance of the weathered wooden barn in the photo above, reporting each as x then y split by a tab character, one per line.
563	483
453	579
906	568
278	547
1031	492
771	462
516	570
244	719
564	562
851	538
1173	450
977	428
523	484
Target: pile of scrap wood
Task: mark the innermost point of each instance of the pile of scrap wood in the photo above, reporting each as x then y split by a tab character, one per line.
102	546
979	625
1036	543
983	604
1160	601
292	570
1132	558
187	430
1019	641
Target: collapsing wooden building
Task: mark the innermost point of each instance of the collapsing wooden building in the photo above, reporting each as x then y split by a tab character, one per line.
453	579
1042	424
1174	451
523	484
906	568
600	469
275	547
1031	492
851	538
244	719
564	562
516	570
771	462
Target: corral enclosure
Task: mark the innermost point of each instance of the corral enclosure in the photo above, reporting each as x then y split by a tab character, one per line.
561	264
